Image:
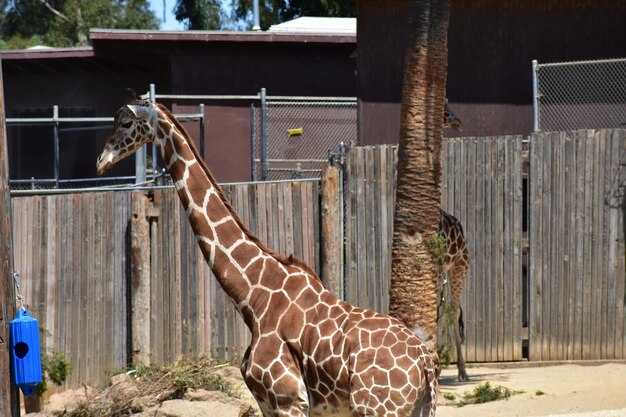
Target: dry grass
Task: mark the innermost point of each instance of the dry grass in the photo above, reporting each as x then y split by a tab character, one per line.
138	389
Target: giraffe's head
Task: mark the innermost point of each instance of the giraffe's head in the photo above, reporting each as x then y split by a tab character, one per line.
450	120
134	126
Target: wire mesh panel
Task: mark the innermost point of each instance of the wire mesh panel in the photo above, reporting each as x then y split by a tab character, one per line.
299	134
580	95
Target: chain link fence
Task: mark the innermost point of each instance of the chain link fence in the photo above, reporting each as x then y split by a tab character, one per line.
579	95
292	138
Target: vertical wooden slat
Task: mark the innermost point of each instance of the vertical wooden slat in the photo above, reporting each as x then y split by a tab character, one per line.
534	324
616	287
570	234
599	327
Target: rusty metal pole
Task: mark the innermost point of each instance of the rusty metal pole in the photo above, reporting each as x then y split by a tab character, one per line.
9	396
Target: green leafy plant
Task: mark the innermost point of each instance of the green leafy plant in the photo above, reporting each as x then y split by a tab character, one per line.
486	393
437	246
56	368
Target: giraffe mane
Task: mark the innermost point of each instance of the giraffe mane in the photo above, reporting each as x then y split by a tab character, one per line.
290	260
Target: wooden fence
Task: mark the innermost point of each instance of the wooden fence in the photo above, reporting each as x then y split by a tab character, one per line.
73	253
566	302
482	187
577	255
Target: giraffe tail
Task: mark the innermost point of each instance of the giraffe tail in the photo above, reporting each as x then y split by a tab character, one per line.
428	406
461	326
431	405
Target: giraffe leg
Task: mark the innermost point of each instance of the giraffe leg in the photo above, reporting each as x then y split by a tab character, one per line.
274	378
460	361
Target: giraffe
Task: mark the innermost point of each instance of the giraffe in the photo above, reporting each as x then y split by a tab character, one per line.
455	266
450	121
455	262
311	354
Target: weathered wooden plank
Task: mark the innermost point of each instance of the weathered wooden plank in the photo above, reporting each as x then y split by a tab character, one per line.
499	235
556	248
331	237
598	320
466	148
587	252
508	245
612	211
475	217
518	298
620	261
580	237
370	278
534	279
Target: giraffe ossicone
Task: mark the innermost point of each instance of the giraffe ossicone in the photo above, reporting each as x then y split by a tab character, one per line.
311	354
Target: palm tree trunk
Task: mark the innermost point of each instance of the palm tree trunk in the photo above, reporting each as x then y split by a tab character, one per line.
414	274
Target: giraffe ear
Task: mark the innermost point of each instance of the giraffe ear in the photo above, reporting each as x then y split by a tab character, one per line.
140	112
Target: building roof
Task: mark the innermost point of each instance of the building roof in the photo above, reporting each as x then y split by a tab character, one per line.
47	52
222	36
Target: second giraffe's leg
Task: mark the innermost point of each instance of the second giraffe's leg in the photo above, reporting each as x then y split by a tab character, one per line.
460	361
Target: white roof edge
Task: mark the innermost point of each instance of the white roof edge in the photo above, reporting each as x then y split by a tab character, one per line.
309	24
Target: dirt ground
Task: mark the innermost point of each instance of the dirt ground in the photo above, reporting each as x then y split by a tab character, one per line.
572	390
564	389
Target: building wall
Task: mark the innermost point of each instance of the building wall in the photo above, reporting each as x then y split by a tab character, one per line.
289	69
491	44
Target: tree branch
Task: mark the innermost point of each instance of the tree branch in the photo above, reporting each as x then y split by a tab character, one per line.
53	10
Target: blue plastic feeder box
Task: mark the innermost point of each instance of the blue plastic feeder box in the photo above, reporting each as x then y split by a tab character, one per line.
26	351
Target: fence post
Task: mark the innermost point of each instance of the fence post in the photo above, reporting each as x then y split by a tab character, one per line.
9	397
263	134
331	231
535	97
202	130
55	130
155	165
140	279
252	142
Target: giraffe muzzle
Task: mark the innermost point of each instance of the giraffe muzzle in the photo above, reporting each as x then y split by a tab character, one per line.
103	165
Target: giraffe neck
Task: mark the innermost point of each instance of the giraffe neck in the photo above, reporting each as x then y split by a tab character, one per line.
238	260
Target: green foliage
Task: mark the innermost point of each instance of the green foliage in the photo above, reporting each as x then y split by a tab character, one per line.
418	263
486	393
56	368
437	246
449	396
19	42
200	14
277	11
66	23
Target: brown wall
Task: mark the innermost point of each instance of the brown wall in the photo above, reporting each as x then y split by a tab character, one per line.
227	150
491	44
297	69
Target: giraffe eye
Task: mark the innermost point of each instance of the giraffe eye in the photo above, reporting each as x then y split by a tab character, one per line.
127	125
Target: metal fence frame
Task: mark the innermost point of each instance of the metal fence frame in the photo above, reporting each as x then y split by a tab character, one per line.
579	95
99	123
260	102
